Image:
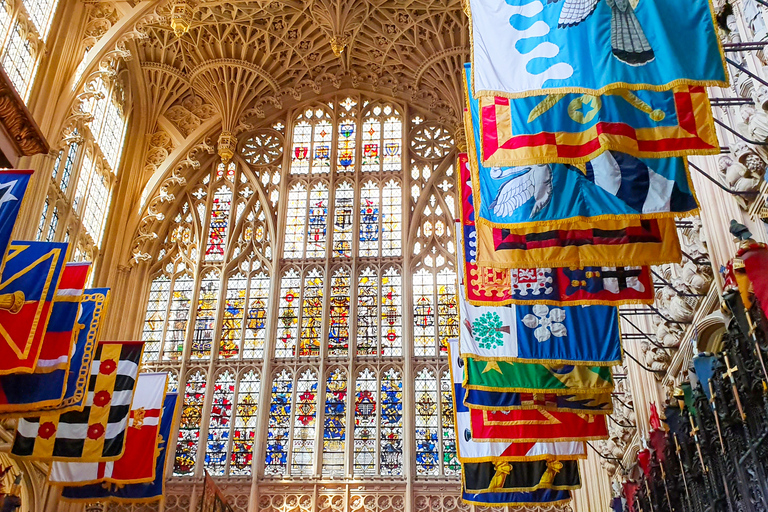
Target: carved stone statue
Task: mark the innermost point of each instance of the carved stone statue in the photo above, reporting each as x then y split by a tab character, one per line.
756	122
736	176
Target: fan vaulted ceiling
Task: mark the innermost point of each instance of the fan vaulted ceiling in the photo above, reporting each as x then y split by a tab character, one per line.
247	58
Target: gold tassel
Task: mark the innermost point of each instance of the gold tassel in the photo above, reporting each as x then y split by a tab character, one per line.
502	470
553	468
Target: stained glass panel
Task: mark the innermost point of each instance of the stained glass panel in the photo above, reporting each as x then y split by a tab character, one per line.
296	221
423	313
178	317
317	225
321	157
447	310
219	220
451	465
346	146
232	323
302	138
335	423
53	225
219	424
367	312
189	427
369	220
338	330
391	220
205	321
427	457
256	320
391	313
371	140
311	313
304	424
365	423
342	220
279	428
393	137
96	206
69	164
245	424
288	314
391	456
159	293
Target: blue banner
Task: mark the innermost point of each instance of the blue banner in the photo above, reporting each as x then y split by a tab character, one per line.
520	47
13	184
615	184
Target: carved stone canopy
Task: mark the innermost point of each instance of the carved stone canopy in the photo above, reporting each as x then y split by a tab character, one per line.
19	134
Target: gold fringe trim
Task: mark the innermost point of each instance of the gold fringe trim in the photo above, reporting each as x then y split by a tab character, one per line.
514	505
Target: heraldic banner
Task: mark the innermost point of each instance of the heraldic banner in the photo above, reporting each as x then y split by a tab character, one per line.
521	47
575	128
97	433
471	451
27	288
488	286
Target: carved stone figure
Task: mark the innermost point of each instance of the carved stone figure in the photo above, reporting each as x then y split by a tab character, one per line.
736	176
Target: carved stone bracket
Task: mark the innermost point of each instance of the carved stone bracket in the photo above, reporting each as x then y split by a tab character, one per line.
23	136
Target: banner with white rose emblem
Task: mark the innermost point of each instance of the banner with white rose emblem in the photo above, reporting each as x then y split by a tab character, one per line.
538	333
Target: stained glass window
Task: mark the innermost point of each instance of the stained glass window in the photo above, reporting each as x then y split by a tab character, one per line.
338	330
304	424
335	422
202	339
178	317
393	136
41	14
219	424
154	319
96	203
367	312
365	423
321	157
342	220
391	219
189	427
423	313
19	60
256	316
69	164
337	225
369	220
311	313
451	465
391	455
447	309
234	309
346	146
288	314
297	212
219	220
279	428
391	313
302	139
427	447
244	432
371	143
41	224
53	225
317	225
